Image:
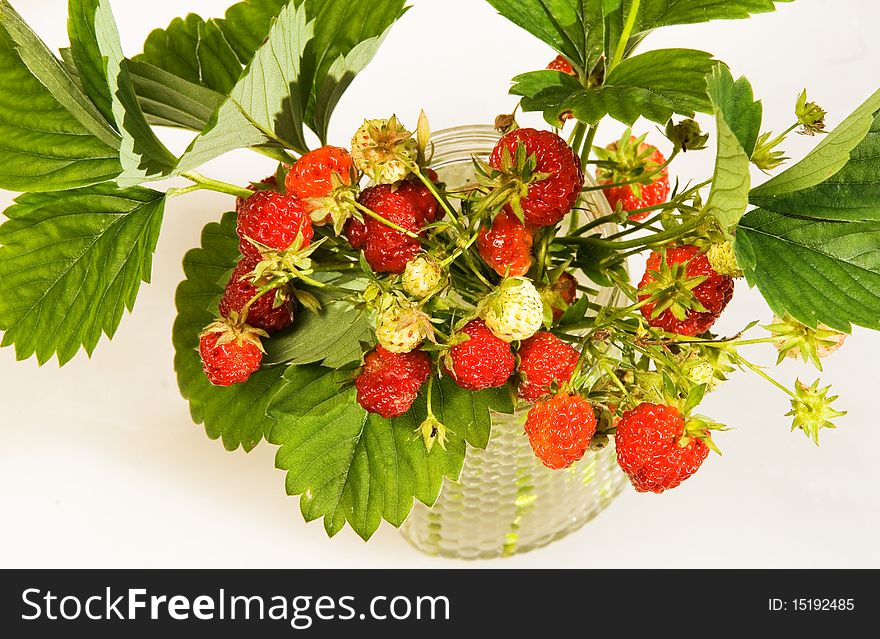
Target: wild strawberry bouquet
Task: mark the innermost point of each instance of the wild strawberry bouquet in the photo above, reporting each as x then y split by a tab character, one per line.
366	317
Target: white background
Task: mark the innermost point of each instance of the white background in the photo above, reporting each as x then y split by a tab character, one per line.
100	464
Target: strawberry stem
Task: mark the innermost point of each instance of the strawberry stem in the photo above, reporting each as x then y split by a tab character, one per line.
625	35
203	183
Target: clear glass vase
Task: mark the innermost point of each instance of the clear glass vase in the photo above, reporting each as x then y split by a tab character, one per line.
506	501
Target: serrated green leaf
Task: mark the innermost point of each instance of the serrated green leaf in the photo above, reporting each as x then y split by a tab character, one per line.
851	194
175	48
348	465
86	56
814	270
237	414
44	147
737	104
653	14
468	413
654	85
344	30
168	100
574	28
346	37
71	263
219	63
332	338
50	73
247	25
827	158
545	91
729	196
264	105
94	37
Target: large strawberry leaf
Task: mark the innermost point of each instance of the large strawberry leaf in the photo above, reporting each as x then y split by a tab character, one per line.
333	337
654	85
574	28
97	53
169	100
71	263
350	466
213	52
814	270
237	415
738	121
263	107
814	252
652	14
46	145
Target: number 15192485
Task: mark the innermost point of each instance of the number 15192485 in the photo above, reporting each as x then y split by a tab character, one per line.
810	604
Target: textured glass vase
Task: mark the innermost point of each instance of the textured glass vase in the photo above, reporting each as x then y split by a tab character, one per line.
506	501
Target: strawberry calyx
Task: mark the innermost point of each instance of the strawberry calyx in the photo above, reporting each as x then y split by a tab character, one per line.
811	409
278	268
509	184
628	161
672	289
384	150
338	206
794	339
700	427
235	329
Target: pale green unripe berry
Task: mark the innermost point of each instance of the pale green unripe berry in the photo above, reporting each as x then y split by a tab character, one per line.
515	310
402	328
423	276
384	150
722	258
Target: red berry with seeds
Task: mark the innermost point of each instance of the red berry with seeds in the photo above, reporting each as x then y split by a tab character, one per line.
422	198
264	313
560	429
562	65
649	449
273	220
693	305
632	159
386	249
482	360
507	245
549	199
312	175
544	360
230	352
389	383
271	181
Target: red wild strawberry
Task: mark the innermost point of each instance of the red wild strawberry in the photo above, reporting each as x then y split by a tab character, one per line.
422	198
389	383
562	294
355	232
507	245
649	449
562	65
560	429
273	220
691	305
230	352
544	360
482	360
312	175
633	158
262	313
387	250
549	199
272	181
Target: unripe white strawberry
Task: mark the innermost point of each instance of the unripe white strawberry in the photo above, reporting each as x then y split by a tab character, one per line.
423	276
400	326
384	150
722	258
514	311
